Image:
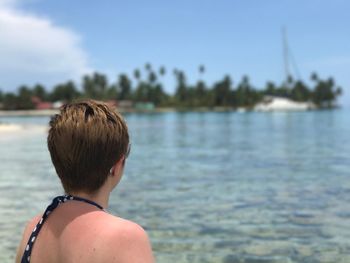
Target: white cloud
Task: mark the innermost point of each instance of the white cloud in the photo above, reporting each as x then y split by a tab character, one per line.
33	49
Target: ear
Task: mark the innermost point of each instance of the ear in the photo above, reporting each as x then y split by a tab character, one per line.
120	162
117	166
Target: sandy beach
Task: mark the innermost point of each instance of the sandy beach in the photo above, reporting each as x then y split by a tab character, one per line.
7	128
27	112
15	130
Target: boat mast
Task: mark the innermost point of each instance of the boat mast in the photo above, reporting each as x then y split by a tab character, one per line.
285	55
289	61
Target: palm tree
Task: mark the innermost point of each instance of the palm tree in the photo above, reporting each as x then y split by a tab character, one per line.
88	86
39	91
314	77
300	92
65	92
162	71
100	82
24	99
148	67
181	89
125	87
152	77
270	88
137	75
201	69
338	91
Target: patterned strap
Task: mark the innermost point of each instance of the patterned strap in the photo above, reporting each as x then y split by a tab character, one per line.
55	203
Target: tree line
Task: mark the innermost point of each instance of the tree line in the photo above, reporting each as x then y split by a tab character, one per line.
145	85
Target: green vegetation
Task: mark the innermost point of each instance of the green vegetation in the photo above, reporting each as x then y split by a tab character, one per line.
146	86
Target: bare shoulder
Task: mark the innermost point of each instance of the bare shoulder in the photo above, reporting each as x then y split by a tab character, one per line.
26	234
129	241
128	229
32	223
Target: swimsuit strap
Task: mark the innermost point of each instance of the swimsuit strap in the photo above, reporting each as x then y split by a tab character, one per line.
55	203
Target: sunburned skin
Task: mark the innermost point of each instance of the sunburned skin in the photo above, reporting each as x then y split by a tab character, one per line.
80	232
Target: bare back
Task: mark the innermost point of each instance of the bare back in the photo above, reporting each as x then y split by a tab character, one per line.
77	232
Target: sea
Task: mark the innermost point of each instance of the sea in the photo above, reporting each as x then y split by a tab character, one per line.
207	187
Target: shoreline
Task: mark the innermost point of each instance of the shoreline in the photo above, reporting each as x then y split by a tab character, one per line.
38	113
12	128
5	127
26	113
47	113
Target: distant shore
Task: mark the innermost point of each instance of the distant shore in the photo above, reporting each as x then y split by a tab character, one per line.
50	112
26	113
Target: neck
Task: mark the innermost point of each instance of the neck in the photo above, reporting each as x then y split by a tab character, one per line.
100	197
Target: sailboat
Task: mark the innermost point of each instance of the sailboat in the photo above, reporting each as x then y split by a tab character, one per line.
273	103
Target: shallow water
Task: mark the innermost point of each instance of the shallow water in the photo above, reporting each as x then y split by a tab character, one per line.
209	187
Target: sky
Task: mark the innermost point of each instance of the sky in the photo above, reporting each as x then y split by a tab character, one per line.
50	41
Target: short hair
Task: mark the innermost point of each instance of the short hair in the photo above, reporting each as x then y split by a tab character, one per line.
85	140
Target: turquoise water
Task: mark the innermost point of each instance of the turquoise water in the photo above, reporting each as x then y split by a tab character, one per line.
209	187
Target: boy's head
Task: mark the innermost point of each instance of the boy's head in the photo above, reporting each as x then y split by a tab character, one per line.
85	140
